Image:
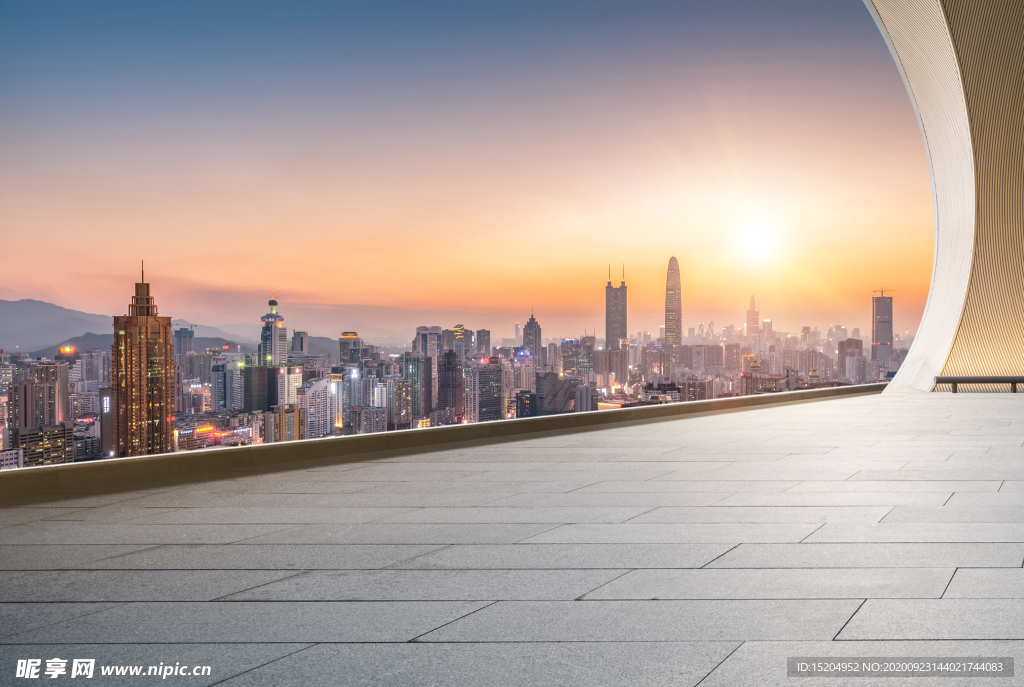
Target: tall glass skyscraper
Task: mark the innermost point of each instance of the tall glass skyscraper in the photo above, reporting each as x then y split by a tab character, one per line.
615	314
673	307
531	337
753	319
881	328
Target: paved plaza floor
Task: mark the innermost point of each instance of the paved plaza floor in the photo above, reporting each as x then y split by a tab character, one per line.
704	550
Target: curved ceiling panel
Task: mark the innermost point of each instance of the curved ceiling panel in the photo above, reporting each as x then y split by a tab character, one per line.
963	64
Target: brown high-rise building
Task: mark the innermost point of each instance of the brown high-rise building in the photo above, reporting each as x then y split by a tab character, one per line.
143	379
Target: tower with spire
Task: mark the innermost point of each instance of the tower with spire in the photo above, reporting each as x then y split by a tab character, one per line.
673	309
273	348
753	320
531	337
615	334
142	378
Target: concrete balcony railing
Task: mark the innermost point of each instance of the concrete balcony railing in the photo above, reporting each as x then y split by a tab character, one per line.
121	474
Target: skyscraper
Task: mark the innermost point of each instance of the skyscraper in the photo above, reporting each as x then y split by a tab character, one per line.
183	341
143	379
273	338
416	368
428	343
489	392
673	307
483	342
347	342
531	337
615	314
753	319
450	385
300	343
881	328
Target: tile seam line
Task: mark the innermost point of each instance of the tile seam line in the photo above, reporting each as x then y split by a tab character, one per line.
638	515
441	547
603	584
857	610
719	664
733	548
486	605
812	533
231	677
224	597
110	605
946	588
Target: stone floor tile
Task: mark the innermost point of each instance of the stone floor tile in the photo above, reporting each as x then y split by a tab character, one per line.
653	621
919	532
629	533
764	663
801	583
55	557
560	556
986	583
237	515
565	664
261	557
223	660
60	533
130	585
248	621
756	514
694	485
432	585
16	618
487	514
832	498
875	555
905	619
404	533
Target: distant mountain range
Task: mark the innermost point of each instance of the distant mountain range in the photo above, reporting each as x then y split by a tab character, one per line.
91	342
28	325
41	328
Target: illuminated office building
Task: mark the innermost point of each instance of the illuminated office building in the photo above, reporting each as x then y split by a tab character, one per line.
143	379
489	392
400	402
316	399
349	341
450	385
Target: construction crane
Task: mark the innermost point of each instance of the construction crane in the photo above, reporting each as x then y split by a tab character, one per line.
882	291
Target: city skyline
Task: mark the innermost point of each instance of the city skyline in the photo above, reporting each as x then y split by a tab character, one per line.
735	153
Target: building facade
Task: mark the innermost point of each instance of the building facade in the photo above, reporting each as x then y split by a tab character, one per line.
615	334
673	308
143	379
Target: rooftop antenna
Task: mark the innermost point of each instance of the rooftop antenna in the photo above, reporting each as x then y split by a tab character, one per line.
143	271
609	271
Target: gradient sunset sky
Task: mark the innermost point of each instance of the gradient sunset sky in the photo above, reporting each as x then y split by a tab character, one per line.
460	160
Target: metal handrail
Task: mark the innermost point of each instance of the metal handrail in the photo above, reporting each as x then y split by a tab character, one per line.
1013	381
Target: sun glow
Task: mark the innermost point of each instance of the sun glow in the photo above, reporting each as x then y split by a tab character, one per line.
757	240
